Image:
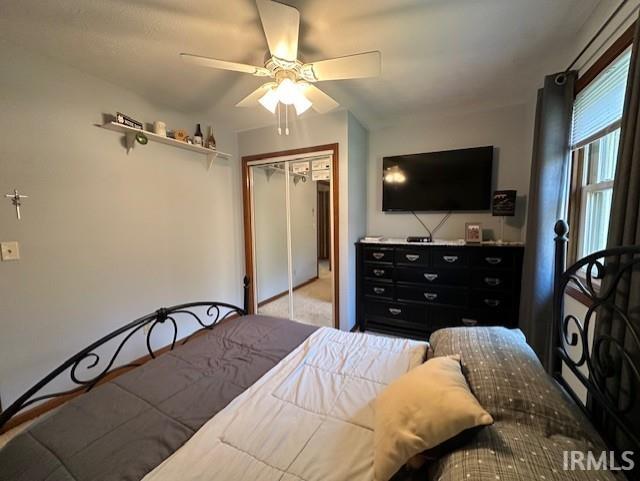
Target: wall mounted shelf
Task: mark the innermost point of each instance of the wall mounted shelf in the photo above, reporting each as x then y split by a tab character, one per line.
130	141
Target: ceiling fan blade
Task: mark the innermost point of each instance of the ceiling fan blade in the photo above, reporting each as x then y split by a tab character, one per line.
251	100
280	24
224	65
360	65
321	102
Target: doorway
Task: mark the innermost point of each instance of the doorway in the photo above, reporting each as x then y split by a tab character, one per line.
291	228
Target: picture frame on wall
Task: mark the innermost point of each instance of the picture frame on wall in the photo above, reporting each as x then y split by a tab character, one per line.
473	233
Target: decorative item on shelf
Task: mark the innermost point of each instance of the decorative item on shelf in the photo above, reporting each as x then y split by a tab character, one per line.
189	140
181	135
473	233
141	138
160	128
503	205
171	134
128	121
211	140
197	137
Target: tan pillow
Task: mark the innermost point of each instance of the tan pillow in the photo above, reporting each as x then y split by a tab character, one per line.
425	407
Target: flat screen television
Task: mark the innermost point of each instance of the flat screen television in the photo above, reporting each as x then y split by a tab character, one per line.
451	180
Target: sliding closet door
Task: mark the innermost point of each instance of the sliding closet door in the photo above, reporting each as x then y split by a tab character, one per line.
292	279
271	235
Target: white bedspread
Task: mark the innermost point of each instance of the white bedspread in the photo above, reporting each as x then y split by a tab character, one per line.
310	418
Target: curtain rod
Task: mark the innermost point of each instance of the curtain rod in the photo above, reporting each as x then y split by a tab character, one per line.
597	34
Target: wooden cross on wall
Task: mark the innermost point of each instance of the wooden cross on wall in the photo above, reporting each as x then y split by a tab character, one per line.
16	199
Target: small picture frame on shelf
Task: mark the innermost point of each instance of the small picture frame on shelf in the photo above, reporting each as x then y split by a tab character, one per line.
473	233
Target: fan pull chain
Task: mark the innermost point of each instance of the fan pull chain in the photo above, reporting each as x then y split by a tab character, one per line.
286	117
279	121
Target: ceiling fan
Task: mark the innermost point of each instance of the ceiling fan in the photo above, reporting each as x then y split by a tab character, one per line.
293	80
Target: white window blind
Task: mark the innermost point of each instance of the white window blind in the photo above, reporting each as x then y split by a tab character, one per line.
598	108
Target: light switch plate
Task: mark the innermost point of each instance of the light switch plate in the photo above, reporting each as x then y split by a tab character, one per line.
10	251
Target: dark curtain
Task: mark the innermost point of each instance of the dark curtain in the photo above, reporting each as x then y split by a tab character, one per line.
549	175
624	230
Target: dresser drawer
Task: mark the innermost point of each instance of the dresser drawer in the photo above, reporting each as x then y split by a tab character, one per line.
433	295
378	254
450	258
379	290
494	280
490	300
379	272
495	258
395	311
430	276
410	257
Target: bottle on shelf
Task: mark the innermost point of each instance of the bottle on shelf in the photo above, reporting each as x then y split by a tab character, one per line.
211	140
197	137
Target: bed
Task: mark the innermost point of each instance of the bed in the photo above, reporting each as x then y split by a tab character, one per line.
251	397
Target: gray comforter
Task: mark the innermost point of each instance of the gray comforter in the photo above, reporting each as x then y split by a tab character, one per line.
125	428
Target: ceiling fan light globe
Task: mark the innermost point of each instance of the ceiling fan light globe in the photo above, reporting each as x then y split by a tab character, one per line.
287	91
301	104
269	101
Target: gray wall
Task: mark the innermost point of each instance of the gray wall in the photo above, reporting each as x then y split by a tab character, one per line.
106	236
506	128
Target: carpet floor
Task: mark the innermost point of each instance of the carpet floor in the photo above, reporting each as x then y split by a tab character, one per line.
312	304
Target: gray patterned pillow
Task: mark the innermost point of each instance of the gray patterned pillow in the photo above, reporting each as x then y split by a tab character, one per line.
507	452
509	381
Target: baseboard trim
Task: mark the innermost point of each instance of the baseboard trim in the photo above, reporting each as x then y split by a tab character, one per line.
284	293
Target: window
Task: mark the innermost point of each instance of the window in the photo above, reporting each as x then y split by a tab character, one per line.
595	140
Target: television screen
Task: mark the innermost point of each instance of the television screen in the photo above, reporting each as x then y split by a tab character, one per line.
438	181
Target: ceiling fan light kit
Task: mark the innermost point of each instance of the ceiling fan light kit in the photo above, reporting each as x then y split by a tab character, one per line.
293	79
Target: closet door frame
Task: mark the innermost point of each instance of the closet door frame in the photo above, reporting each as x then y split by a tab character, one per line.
248	218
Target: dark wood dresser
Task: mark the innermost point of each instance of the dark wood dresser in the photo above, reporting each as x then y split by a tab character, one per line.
411	290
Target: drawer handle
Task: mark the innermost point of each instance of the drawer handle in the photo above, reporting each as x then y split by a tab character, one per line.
493	260
469	322
492	281
378	272
395	311
492	302
450	259
430	277
378	255
379	290
430	296
412	257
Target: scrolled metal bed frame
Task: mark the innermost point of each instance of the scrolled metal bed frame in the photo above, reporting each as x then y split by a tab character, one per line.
89	360
595	358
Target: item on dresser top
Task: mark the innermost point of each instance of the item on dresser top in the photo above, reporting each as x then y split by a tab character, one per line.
425	407
473	233
503	205
426	239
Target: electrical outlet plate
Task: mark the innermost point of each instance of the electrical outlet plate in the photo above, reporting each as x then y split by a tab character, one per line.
10	251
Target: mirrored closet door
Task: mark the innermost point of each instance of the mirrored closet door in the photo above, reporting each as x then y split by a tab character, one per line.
291	238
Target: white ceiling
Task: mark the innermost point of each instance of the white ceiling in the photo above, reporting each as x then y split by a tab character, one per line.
437	54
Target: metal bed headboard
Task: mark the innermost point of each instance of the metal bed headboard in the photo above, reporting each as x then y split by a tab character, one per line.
596	358
86	369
